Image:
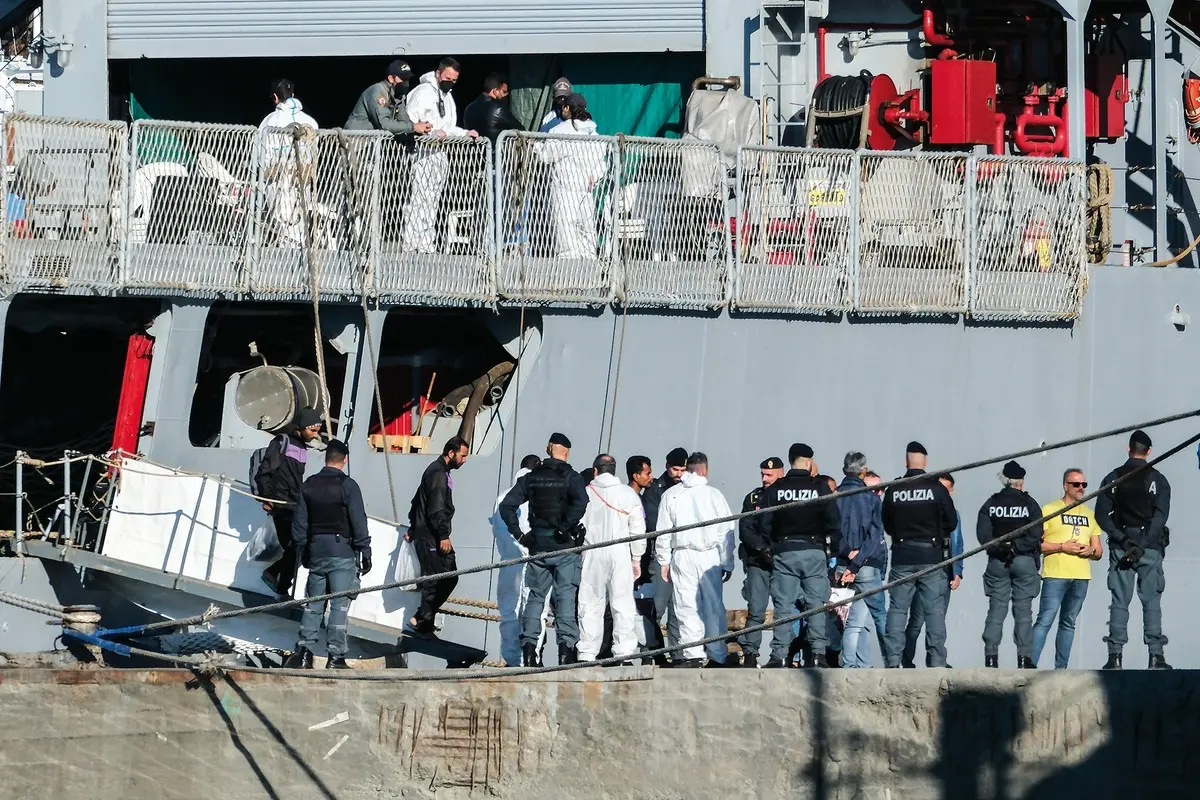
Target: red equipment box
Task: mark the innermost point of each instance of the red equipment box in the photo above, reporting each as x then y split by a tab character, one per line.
962	108
1107	92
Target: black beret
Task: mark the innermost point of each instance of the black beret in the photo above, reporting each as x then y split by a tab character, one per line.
1013	470
560	439
677	457
916	447
771	463
1140	437
400	69
799	450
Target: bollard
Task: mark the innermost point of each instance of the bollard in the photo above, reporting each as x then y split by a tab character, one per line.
85	619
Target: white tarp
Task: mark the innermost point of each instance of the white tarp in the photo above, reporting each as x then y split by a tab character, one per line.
196	527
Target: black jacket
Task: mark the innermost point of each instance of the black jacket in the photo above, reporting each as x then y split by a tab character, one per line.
557	498
350	500
916	515
814	526
281	473
432	509
1135	512
754	550
1004	512
652	497
489	117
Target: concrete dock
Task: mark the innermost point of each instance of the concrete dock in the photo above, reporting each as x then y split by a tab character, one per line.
633	732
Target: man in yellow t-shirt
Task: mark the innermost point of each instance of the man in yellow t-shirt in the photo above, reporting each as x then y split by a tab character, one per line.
1070	543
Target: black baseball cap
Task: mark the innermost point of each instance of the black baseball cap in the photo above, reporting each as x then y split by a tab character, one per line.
1140	437
400	69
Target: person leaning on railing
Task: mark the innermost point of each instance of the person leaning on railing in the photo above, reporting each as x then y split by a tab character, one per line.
382	106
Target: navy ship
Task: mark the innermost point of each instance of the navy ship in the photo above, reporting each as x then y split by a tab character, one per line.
845	223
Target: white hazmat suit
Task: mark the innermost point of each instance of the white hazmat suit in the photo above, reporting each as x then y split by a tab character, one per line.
281	178
510	584
697	558
614	511
428	103
577	168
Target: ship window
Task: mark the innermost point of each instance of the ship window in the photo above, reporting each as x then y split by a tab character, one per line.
283	335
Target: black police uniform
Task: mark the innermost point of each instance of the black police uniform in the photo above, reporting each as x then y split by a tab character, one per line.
919	517
801	537
1134	515
557	498
1012	571
755	553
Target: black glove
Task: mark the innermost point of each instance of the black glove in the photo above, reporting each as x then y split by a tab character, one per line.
578	533
1132	556
726	575
305	561
1004	552
364	562
526	540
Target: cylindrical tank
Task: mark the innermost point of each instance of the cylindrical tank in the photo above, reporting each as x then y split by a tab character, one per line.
268	398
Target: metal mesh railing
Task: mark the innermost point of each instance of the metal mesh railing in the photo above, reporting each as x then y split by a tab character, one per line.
913	233
797	229
556	216
316	195
435	222
64	184
189	207
1030	223
671	229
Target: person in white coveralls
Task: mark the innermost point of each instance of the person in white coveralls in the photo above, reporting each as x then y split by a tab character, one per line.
511	591
696	562
278	154
614	511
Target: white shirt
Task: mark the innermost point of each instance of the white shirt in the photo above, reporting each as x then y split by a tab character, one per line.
614	511
422	104
690	501
498	526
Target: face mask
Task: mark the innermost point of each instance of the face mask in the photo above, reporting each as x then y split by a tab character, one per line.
445	86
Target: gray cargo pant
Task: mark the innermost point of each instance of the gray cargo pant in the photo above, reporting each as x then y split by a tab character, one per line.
1017	583
664	604
560	573
756	591
1150	584
326	575
930	591
800	576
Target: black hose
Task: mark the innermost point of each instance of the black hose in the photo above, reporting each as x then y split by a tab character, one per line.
839	93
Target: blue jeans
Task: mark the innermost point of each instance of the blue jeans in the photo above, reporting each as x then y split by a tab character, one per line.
1064	597
326	575
856	644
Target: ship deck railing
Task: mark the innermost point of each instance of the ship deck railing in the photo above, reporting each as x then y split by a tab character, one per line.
198	210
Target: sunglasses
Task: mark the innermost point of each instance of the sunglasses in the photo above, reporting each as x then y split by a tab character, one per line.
1077	484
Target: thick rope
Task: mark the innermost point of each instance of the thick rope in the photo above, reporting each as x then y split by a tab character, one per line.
1099	212
462	601
305	133
409	584
941	566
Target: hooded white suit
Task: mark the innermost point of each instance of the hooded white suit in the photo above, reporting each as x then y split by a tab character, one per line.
511	592
614	511
428	103
697	558
578	166
278	156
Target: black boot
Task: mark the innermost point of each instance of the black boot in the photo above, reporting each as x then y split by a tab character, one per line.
1025	662
529	655
567	655
1158	661
991	662
336	662
301	659
1114	661
749	660
774	663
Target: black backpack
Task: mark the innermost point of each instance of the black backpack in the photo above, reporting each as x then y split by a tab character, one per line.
256	459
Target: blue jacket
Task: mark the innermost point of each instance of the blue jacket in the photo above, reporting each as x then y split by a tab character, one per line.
956	545
862	527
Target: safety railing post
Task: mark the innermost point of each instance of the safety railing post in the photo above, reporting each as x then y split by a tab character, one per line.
737	229
613	227
76	538
19	503
971	218
66	506
127	205
855	233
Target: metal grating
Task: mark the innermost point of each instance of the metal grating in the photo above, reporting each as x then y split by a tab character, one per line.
189	208
796	229
435	222
1031	225
317	191
64	183
913	233
671	229
555	217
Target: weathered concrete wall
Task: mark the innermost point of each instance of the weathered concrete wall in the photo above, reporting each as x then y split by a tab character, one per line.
835	735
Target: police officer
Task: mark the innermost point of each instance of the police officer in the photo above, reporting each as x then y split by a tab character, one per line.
920	517
557	498
382	108
1012	569
755	553
1134	515
800	537
330	532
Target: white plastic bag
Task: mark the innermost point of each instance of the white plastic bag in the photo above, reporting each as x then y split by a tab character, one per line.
407	567
264	547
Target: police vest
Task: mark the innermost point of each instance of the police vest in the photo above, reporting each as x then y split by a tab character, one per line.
797	522
1133	500
327	511
913	511
1010	509
547	488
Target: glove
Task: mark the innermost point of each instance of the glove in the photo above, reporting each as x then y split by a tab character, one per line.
578	533
305	561
364	562
526	540
726	575
1003	552
1132	556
